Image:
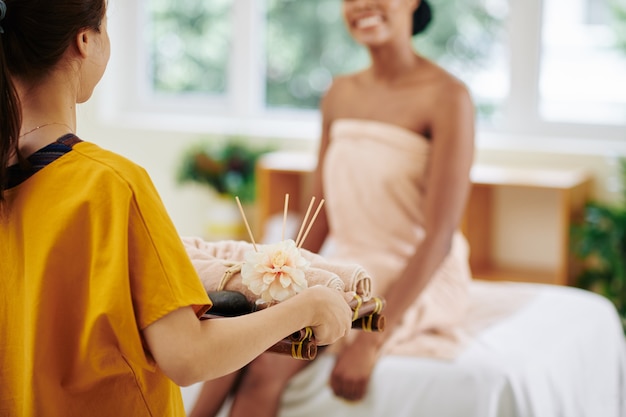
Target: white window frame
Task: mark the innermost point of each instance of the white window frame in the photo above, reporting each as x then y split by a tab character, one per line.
243	113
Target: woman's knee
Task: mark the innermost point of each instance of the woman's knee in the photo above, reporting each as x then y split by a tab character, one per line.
270	371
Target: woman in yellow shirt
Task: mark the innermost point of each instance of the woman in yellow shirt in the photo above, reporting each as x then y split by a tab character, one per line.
98	298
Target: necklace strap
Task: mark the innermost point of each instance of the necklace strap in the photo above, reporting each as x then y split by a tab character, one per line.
44	125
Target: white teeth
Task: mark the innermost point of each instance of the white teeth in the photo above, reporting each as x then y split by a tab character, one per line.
368	22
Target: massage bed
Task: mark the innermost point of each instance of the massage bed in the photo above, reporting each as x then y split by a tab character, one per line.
534	351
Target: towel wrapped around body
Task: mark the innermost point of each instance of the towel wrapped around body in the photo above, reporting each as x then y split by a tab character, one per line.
375	181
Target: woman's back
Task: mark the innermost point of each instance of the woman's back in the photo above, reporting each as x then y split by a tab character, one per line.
78	248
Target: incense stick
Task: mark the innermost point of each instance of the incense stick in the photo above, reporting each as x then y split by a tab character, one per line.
311	223
245	220
285	216
306	216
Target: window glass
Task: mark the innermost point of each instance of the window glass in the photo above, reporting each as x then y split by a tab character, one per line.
307	44
583	62
189	44
468	38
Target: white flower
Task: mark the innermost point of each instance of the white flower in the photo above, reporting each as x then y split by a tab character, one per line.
275	272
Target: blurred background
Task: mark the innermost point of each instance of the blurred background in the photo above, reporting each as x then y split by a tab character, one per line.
547	76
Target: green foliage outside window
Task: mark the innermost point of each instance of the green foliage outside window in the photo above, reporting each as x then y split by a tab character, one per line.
307	44
618	9
189	43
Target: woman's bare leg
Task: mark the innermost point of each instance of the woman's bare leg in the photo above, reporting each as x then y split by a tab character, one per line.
213	395
262	384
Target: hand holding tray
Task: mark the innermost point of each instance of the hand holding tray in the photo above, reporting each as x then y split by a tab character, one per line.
301	344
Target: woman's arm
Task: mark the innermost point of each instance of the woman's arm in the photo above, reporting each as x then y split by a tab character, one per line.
189	350
447	189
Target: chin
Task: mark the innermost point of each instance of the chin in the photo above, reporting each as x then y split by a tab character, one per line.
371	38
371	41
84	96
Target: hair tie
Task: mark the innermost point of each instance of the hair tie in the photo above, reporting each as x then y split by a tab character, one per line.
3	13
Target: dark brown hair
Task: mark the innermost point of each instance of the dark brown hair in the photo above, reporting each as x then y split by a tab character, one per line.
36	35
422	17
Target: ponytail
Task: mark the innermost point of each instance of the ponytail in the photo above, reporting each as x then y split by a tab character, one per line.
34	35
10	118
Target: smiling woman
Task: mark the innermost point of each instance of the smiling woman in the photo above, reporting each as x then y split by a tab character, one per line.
305	48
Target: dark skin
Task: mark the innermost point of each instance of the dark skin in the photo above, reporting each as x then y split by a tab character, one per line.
404	89
434	99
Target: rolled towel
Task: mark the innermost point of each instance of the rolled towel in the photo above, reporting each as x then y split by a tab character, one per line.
318	276
216	261
354	276
219	267
222	250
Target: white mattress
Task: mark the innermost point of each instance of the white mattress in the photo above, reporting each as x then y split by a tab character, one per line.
562	354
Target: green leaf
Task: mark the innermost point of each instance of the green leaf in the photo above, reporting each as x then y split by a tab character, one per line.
599	241
227	166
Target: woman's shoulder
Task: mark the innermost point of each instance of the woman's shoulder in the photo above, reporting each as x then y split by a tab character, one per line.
103	156
435	88
102	162
445	82
345	82
432	73
342	87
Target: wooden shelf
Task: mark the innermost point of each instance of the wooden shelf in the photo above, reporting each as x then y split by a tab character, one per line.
568	191
528	177
515	274
279	173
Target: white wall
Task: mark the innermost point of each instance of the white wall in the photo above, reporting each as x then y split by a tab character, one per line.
159	152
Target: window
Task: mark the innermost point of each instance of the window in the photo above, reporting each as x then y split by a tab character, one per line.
307	44
583	69
535	67
188	48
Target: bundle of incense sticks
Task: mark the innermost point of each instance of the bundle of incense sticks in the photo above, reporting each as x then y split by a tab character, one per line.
301	237
366	317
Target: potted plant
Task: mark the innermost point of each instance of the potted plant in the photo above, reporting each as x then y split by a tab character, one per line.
600	243
227	167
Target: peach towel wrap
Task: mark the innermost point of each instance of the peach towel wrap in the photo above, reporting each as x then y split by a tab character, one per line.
375	177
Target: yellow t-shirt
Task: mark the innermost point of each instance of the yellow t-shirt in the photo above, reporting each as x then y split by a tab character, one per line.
88	258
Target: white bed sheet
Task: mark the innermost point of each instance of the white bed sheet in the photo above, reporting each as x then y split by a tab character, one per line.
563	354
